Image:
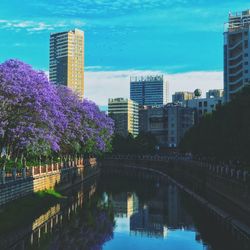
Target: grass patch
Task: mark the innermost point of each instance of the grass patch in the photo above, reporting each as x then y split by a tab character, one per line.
22	212
51	192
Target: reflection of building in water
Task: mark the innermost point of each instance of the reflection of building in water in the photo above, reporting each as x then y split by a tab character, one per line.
151	218
146	223
46	223
177	216
173	206
162	212
125	204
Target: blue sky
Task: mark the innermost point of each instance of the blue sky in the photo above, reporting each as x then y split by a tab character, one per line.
171	36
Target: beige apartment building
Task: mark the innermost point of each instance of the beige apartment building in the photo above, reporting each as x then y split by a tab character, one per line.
125	114
66	63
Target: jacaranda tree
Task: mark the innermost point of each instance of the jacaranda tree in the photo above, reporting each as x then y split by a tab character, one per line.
38	118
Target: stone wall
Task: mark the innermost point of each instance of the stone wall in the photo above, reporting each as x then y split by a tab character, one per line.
45	177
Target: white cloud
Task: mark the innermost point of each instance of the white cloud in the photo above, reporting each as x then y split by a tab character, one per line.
101	85
36	26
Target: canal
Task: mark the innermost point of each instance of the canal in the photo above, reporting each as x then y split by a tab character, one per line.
116	212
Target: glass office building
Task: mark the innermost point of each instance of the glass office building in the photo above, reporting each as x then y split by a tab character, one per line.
149	90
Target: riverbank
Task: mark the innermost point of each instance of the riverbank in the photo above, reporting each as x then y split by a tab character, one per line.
38	212
54	176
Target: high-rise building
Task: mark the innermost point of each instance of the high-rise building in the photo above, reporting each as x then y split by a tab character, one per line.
125	114
66	64
236	53
180	97
149	90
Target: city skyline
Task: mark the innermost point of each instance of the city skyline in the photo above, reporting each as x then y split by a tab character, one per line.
126	38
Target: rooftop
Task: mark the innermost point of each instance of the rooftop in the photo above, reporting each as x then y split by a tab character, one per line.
150	78
67	31
238	21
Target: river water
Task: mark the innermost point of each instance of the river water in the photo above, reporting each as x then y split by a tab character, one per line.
118	213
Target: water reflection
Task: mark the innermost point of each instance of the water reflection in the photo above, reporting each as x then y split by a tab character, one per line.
79	222
115	214
151	218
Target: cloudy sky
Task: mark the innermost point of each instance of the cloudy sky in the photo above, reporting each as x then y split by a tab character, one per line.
180	38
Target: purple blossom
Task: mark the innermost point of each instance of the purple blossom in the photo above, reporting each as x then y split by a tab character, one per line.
38	117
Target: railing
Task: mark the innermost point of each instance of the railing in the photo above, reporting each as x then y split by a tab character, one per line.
8	176
224	170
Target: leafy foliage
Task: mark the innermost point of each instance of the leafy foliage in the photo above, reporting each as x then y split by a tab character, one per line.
144	143
38	118
224	134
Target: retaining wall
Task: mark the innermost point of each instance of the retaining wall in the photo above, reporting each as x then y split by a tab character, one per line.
60	176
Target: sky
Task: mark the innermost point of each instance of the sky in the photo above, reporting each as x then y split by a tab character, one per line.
182	39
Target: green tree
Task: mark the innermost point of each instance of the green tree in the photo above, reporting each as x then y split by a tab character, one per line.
224	134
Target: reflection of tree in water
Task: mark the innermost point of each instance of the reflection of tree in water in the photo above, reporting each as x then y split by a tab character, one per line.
90	228
145	189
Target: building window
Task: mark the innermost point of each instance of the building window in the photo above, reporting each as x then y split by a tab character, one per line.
246	44
246	63
246	55
200	104
246	71
205	104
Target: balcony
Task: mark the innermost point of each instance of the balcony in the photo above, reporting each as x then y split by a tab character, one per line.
234	70
235	60
237	51
233	79
233	88
235	44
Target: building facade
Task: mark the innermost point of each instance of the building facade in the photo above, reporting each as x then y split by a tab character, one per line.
154	120
168	123
236	53
202	106
149	90
181	97
66	64
125	114
180	120
215	93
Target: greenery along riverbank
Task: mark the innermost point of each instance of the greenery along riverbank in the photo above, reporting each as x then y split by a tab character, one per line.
144	143
224	134
22	212
40	120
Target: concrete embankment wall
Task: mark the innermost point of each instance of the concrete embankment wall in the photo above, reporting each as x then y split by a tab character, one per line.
32	233
188	180
207	180
60	177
